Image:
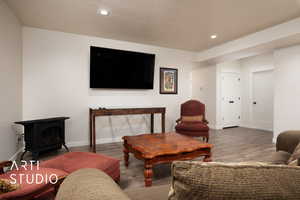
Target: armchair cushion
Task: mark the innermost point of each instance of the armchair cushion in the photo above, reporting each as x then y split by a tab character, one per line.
192	126
241	181
196	118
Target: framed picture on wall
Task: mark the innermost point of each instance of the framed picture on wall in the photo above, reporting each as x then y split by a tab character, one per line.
168	81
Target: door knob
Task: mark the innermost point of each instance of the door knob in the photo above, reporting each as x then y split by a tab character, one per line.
254	102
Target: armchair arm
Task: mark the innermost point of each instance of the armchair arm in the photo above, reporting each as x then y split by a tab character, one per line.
4	164
287	141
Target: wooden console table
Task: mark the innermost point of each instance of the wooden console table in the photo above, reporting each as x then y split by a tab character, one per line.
123	111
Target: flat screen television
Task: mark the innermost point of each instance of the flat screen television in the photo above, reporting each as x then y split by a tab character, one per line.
119	69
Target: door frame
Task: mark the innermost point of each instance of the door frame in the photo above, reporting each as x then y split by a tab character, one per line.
221	93
251	92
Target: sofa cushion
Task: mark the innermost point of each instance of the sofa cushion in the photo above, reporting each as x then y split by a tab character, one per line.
149	193
218	181
192	126
295	155
90	184
280	157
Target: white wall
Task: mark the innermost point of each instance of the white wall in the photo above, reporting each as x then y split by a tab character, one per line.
10	79
204	90
248	66
287	90
56	83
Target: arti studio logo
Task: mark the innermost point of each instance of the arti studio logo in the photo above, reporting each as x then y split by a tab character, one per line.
30	178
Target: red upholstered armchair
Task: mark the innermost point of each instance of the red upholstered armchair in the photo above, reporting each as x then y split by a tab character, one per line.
192	121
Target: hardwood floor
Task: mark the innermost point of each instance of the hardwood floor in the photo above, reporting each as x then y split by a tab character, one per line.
230	145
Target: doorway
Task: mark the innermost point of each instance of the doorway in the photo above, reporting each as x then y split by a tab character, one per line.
231	99
262	99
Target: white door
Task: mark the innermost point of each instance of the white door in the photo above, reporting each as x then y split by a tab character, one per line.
231	99
262	105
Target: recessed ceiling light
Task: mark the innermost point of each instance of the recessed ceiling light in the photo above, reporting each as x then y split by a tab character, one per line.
103	12
213	36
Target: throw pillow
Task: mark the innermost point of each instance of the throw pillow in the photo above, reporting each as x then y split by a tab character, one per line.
295	155
6	186
196	118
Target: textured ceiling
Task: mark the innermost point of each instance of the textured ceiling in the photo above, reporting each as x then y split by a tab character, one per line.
180	24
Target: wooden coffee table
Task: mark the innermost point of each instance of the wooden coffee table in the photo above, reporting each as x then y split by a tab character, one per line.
163	148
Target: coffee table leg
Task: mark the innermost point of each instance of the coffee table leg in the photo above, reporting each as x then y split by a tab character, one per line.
148	173
126	156
207	158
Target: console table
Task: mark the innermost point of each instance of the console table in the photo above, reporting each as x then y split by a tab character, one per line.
93	113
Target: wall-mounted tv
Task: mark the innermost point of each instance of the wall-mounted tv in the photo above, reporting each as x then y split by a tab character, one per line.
112	68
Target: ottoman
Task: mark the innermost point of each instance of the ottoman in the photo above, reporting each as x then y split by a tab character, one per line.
73	161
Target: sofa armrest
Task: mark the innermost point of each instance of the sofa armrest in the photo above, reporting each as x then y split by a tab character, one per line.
287	141
4	164
89	184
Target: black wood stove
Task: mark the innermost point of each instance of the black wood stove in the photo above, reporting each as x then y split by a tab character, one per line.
44	135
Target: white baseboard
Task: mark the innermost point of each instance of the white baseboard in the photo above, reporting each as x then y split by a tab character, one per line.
14	157
98	141
215	127
274	140
254	127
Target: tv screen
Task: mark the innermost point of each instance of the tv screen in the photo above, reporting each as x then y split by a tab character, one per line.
111	68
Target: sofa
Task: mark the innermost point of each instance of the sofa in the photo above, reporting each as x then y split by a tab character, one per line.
193	181
198	180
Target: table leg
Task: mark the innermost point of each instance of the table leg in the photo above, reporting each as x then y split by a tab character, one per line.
94	134
126	156
207	158
148	173
90	127
163	122
152	123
